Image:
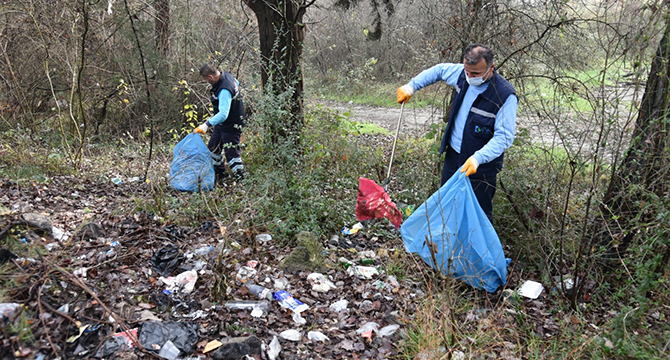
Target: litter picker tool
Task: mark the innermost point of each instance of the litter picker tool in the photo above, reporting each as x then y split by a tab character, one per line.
373	202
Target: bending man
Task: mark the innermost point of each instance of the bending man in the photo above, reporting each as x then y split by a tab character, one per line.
228	120
482	121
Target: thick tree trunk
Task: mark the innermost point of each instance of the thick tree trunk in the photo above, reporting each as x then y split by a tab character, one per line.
645	169
162	26
282	32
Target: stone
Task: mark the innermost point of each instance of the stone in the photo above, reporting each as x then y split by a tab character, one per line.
236	348
87	231
40	221
307	255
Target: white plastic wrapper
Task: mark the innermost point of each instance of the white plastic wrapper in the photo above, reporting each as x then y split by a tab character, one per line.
317	336
339	306
291	335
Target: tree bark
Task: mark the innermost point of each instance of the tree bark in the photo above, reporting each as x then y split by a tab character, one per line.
282	32
162	26
644	170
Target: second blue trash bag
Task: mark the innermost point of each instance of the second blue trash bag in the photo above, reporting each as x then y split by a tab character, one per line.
465	244
192	168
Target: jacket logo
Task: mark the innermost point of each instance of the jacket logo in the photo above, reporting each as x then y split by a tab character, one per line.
482	130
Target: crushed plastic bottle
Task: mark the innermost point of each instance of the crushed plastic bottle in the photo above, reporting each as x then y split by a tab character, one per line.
260	291
288	302
202	251
263	305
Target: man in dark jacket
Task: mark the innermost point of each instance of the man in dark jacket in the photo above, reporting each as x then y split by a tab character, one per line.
227	121
482	121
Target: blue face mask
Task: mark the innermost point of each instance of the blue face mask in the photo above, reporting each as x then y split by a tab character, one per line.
476	81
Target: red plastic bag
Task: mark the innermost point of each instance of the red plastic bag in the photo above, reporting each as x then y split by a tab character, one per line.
373	203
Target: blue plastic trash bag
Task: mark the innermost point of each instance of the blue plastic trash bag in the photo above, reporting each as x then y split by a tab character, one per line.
192	168
464	243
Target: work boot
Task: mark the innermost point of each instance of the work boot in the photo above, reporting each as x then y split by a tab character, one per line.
220	178
239	175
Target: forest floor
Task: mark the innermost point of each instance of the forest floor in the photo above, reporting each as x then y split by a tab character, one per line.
91	266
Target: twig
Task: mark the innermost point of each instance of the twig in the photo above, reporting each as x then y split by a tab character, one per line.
59	313
46	328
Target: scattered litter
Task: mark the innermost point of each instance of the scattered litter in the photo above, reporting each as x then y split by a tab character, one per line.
258	308
184	281
317	336
393	281
282	284
354	229
288	302
147	315
320	283
388	330
211	346
82	328
252	263
167	260
339	306
117	181
298	319
274	348
367	254
263	237
81	272
154	335
169	351
345	262
8	310
59	234
291	335
531	289
367	329
202	251
245	273
260	291
363	272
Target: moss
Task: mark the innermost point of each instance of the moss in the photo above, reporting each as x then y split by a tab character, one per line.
308	254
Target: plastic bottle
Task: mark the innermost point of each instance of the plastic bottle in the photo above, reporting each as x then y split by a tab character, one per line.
260	291
247	305
204	250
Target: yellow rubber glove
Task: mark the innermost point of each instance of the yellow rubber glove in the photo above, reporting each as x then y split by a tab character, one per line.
470	166
405	92
202	129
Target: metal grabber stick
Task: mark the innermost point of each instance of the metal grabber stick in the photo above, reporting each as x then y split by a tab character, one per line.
395	140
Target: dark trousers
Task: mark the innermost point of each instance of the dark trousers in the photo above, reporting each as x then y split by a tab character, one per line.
484	185
226	140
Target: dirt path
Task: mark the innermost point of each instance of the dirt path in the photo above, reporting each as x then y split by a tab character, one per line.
580	133
415	121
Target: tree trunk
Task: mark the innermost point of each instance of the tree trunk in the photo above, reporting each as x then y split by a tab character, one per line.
162	26
644	171
282	31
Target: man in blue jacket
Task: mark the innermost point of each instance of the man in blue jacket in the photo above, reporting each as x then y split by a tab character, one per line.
227	121
482	121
